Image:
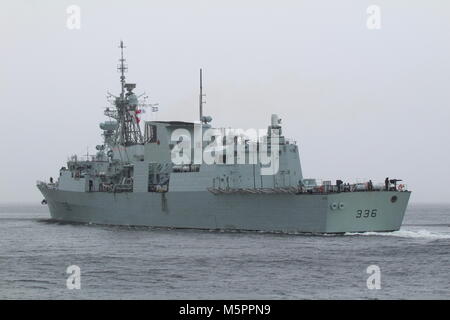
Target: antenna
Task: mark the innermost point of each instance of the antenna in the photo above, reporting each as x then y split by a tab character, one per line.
122	68
201	97
87	153
203	119
201	102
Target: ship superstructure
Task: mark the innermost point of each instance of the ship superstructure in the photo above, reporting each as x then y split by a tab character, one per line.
191	175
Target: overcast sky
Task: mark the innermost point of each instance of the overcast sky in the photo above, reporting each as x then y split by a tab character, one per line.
361	103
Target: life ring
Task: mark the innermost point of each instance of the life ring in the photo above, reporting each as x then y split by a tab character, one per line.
401	187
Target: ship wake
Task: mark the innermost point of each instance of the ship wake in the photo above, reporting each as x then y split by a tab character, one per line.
415	234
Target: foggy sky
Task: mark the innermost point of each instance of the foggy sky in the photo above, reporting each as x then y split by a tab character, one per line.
361	103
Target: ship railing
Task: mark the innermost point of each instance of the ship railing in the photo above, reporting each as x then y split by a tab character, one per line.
322	189
290	141
161	188
122	188
354	187
291	190
110	187
48	185
186	168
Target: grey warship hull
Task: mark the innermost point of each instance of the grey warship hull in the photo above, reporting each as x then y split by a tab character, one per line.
290	213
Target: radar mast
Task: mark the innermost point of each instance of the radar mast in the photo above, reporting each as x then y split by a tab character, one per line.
127	110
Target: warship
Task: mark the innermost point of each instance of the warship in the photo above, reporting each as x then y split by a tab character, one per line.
177	174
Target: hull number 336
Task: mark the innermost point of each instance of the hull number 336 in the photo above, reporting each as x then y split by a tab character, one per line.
366	213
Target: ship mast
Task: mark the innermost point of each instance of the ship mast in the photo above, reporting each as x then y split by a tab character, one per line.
201	98
128	132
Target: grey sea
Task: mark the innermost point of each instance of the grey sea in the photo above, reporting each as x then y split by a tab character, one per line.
146	263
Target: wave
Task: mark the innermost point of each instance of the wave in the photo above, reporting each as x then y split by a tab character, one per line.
418	234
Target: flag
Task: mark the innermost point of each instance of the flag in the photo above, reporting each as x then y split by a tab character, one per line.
136	113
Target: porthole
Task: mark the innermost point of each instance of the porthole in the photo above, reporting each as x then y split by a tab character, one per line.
394	199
